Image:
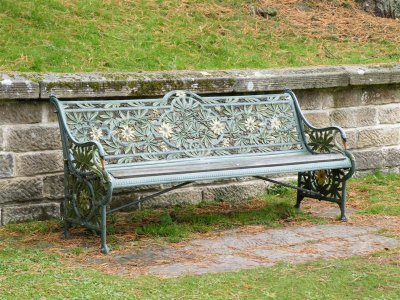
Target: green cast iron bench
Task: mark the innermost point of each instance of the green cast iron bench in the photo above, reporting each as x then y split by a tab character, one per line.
182	138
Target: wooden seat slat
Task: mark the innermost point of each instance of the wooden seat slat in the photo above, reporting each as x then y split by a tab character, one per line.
227	164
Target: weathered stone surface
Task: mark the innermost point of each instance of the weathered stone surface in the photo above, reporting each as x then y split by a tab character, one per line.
6	165
1	138
378	137
382	8
53	186
352	137
34	163
37	211
20	112
376	95
348	97
318	118
21	189
292	78
33	138
192	195
315	99
158	83
17	86
49	115
253	247
369	159
373	74
392	157
235	192
134	84
177	197
389	114
355	117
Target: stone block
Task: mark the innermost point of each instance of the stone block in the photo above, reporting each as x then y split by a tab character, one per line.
378	137
32	138
352	137
392	157
369	159
377	95
354	117
348	97
318	118
373	74
49	115
21	189
18	86
315	99
20	112
389	114
182	196
29	211
2	138
6	165
53	186
235	192
34	163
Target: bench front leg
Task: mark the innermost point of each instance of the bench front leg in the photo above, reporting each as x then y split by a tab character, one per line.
88	191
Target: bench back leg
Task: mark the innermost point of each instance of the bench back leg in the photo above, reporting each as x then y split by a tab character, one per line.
328	185
104	247
342	203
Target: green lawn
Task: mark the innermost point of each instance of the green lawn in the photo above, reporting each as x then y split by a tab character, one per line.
29	270
28	273
116	35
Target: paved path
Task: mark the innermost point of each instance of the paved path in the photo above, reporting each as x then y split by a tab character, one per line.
235	249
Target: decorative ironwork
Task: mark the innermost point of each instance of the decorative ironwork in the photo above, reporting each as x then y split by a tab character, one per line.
184	125
329	185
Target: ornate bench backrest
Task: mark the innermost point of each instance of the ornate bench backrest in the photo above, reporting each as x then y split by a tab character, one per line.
185	125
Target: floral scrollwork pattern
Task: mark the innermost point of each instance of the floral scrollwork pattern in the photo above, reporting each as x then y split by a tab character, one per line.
183	125
86	186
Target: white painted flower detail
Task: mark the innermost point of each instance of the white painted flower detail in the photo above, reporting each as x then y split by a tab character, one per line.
226	143
250	124
165	130
126	133
163	148
217	127
181	94
96	134
275	123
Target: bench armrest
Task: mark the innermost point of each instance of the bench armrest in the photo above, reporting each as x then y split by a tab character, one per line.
83	158
319	140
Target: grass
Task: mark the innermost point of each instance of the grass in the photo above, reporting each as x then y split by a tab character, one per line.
30	270
29	273
115	35
377	194
180	222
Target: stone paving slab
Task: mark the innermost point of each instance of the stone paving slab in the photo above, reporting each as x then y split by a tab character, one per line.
235	250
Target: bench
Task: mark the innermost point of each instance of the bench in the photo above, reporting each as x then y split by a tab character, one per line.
182	138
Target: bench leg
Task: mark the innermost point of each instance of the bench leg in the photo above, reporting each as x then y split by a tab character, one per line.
300	194
342	203
104	247
66	224
302	182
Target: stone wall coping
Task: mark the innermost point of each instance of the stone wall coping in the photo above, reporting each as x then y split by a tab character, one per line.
141	84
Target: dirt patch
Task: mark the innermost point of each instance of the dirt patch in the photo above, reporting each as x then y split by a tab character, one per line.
336	20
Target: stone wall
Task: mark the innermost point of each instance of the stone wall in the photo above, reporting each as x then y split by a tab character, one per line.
364	100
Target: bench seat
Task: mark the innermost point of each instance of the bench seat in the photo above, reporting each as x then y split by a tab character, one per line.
227	167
